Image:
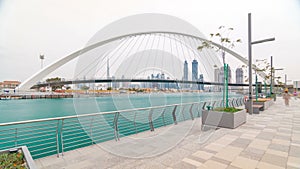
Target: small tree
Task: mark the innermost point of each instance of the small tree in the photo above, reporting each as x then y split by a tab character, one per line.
223	37
261	66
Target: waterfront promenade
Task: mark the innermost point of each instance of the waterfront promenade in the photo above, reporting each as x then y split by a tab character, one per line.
268	140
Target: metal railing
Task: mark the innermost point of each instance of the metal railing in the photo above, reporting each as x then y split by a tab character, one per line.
45	137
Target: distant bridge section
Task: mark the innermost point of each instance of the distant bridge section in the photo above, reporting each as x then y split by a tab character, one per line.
68	82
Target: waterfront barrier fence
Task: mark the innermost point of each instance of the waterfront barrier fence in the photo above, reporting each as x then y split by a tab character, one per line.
50	136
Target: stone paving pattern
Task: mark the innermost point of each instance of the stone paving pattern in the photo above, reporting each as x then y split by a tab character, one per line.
269	140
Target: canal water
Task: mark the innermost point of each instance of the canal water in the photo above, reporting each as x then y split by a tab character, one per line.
50	137
19	110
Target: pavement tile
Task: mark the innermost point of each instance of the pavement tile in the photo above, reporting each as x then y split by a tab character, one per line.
215	147
260	144
296	137
226	140
274	159
293	162
265	136
204	155
282	137
211	164
201	160
229	153
290	167
146	165
181	165
248	136
294	151
279	147
220	160
252	153
270	130
276	152
232	167
295	142
244	163
192	162
241	142
263	165
235	133
281	142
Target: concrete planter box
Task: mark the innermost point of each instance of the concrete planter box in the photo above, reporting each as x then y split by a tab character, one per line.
29	163
265	104
223	119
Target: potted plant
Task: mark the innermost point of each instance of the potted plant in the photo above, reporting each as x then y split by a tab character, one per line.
229	117
18	158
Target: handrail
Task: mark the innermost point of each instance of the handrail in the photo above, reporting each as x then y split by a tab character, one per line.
68	133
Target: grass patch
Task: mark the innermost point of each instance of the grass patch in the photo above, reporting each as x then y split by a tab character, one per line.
227	109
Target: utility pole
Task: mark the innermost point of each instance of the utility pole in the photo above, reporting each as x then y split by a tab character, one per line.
250	43
250	110
271	86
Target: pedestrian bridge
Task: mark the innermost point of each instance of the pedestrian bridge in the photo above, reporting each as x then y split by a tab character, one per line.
130	46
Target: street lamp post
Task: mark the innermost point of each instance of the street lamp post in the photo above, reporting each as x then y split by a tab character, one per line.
250	43
42	57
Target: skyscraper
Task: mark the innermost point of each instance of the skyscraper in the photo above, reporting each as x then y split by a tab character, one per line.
185	71
217	79
239	75
201	79
195	74
221	75
216	74
194	70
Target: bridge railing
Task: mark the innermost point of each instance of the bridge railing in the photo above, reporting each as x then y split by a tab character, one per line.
50	136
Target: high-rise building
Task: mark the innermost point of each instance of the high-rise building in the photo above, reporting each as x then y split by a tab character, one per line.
201	79
194	70
239	76
217	79
195	74
185	71
217	74
221	75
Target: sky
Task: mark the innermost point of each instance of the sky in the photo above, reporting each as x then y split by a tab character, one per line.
57	28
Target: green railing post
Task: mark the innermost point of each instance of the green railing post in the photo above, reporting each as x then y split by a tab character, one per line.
265	88
226	83
256	88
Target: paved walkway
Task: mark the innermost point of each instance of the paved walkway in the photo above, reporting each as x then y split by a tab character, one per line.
270	140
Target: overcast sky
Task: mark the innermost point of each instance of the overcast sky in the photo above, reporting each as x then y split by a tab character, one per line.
57	28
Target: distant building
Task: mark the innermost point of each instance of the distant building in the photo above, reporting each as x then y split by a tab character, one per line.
239	76
221	75
9	84
195	74
115	85
194	70
216	75
185	71
201	79
217	79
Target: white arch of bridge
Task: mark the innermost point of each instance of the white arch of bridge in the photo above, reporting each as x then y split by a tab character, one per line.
28	83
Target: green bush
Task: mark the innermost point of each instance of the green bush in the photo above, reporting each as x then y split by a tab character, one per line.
227	109
12	161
